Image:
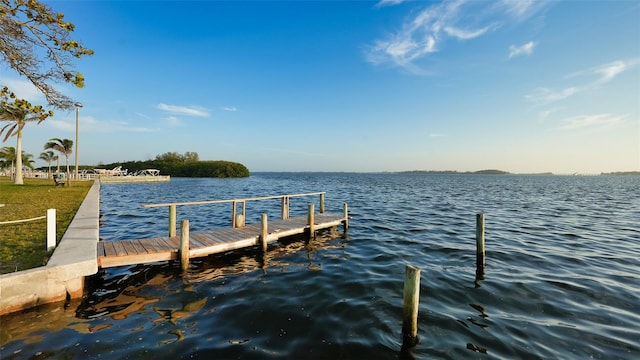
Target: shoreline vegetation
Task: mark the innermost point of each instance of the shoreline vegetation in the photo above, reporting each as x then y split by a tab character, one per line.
501	172
455	172
181	165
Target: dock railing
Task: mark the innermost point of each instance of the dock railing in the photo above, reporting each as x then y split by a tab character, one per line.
237	219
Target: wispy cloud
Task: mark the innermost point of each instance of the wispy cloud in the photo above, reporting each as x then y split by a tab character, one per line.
607	72
545	95
544	114
90	124
596	77
526	49
383	3
184	110
172	121
144	116
592	121
426	31
436	135
465	34
229	108
521	9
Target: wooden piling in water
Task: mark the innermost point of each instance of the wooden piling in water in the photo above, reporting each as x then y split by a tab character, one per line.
480	258
184	245
411	302
311	222
234	211
345	209
321	203
285	207
263	232
172	220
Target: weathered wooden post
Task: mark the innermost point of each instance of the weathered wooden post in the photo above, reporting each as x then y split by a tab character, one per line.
480	258
184	245
264	229
234	210
411	302
51	229
346	217
238	220
321	203
311	222
172	220
285	207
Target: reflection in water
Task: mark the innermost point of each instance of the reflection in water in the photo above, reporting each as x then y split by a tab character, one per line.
483	315
133	290
32	324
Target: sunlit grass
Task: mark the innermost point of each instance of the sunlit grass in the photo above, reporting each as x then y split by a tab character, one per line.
23	245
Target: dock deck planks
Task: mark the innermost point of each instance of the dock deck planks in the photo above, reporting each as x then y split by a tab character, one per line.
207	242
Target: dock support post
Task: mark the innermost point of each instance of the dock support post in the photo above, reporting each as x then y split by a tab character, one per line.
411	302
237	220
311	222
172	220
264	226
234	210
184	245
285	207
321	203
51	229
480	258
346	217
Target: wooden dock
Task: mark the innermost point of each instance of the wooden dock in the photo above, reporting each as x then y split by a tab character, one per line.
214	241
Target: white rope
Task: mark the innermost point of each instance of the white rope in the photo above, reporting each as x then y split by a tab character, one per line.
25	220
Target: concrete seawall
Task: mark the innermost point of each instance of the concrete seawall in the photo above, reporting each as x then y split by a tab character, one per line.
63	276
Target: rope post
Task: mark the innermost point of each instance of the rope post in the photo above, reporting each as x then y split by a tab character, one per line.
184	245
321	203
411	301
51	229
480	258
346	217
311	222
172	220
264	228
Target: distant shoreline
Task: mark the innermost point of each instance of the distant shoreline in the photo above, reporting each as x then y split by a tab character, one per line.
455	172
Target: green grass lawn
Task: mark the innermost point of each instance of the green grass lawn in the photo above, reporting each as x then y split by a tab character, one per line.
23	245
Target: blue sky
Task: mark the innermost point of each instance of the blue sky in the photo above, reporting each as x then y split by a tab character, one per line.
521	86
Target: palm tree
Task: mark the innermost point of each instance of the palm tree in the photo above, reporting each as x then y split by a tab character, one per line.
8	154
57	159
18	112
28	161
65	147
49	157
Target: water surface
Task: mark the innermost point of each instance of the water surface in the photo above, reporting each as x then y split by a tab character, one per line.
562	277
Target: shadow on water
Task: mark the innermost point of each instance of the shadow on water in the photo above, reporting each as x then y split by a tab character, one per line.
127	290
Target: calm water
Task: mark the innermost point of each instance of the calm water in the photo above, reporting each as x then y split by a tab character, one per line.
562	277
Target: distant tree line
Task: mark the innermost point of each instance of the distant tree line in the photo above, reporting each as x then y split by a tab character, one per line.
454	172
622	173
185	165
